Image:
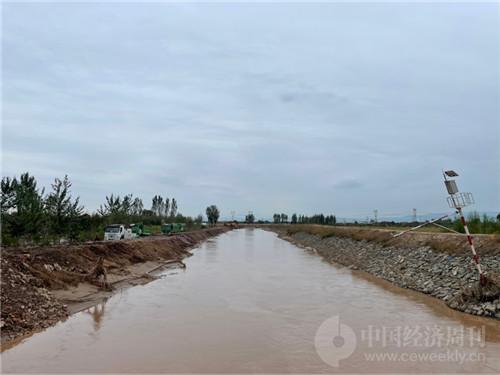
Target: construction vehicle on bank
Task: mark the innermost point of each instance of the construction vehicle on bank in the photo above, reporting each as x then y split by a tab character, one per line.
117	232
173	228
139	231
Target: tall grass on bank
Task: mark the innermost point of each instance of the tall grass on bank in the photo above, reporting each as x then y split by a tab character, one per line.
478	224
446	242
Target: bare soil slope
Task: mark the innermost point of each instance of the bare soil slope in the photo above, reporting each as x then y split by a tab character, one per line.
37	283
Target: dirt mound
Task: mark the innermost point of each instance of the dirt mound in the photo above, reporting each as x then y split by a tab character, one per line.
30	274
26	304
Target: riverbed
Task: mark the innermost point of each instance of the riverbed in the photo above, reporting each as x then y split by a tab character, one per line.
250	302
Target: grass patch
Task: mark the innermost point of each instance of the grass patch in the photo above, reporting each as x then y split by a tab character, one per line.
448	243
360	234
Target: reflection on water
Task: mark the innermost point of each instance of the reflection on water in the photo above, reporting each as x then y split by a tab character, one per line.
211	251
250	302
97	312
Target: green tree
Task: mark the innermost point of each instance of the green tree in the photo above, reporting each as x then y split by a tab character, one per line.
250	218
28	216
137	207
294	219
8	203
158	205
212	214
62	210
8	198
112	207
173	208
198	220
166	210
126	207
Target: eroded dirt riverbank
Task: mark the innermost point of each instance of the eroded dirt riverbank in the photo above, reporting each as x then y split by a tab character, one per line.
42	285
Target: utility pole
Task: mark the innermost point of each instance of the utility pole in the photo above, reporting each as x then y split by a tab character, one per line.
232	215
414	215
375	214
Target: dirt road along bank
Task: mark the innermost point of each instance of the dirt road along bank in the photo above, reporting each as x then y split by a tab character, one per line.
42	285
434	264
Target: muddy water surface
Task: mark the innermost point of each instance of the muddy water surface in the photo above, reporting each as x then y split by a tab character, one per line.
250	302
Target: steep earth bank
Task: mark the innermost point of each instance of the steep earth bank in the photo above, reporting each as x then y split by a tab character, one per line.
448	274
42	285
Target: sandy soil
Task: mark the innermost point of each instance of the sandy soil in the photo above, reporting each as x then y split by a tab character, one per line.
85	294
42	285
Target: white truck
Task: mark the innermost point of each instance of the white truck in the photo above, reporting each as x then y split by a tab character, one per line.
117	232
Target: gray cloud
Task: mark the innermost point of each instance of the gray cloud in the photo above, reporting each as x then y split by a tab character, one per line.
266	107
349	183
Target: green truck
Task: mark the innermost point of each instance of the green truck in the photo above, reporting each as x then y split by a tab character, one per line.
139	231
172	228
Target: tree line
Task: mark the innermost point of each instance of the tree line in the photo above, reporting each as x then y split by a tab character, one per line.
250	218
303	219
477	223
29	214
129	207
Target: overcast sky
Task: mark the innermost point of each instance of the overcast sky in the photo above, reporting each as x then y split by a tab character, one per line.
335	108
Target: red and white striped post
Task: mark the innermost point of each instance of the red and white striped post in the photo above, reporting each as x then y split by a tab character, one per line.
458	200
475	257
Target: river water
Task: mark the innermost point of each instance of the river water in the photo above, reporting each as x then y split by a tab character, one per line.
249	302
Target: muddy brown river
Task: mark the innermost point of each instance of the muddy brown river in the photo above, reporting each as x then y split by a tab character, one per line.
249	302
